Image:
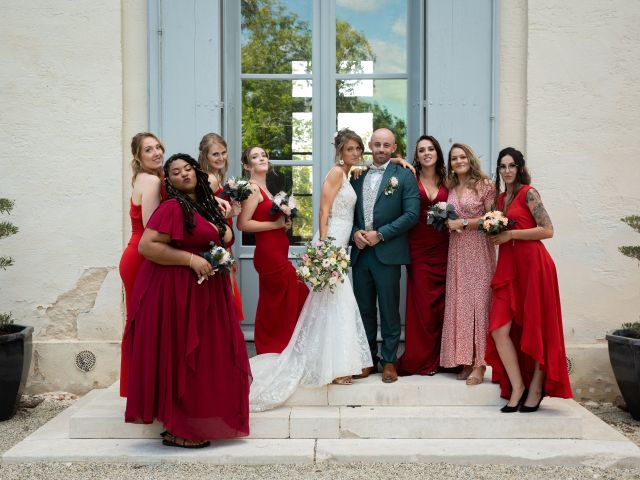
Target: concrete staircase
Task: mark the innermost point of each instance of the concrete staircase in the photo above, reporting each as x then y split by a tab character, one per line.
417	419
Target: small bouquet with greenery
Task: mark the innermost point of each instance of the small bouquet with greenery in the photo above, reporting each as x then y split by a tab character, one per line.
237	189
495	222
323	264
284	203
439	213
220	259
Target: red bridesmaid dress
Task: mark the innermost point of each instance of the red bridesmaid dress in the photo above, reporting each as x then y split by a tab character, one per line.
130	264
234	282
281	294
426	288
525	290
189	366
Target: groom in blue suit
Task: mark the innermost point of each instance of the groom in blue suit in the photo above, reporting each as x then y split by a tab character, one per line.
388	206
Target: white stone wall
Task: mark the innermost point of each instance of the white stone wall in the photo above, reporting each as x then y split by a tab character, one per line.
569	83
61	160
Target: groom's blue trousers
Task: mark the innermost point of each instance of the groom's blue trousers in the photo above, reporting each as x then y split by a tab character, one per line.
375	282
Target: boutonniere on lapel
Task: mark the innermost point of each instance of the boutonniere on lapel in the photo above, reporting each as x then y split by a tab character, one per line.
391	186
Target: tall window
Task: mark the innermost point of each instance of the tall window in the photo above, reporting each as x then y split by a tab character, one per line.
366	75
277	88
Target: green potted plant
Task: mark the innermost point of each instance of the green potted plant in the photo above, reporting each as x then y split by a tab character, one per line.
624	343
15	340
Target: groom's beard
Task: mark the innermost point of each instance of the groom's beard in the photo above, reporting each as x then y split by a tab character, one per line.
381	159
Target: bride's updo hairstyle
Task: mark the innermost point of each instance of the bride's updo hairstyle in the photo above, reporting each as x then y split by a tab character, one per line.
342	137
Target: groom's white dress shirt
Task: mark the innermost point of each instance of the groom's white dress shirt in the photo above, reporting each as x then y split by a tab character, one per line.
370	189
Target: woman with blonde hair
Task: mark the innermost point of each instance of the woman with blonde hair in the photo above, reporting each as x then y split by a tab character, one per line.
213	160
470	267
147	177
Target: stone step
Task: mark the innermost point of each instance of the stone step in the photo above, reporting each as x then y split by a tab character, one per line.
439	390
599	445
557	419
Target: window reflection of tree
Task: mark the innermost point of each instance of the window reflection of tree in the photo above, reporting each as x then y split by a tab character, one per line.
272	38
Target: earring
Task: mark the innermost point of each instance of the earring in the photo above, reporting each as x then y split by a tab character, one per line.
340	162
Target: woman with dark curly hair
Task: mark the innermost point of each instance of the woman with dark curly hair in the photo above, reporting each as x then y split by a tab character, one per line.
189	365
526	346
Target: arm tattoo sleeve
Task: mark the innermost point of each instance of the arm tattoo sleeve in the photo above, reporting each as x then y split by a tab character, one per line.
534	202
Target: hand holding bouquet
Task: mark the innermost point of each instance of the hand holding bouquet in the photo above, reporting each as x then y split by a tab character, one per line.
284	203
237	189
220	259
439	213
494	222
323	264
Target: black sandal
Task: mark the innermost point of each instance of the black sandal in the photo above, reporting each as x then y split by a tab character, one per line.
171	440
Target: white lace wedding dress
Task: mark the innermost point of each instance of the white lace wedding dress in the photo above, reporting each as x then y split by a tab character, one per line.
329	340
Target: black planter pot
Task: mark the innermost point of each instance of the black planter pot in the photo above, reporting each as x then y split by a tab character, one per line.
624	354
15	360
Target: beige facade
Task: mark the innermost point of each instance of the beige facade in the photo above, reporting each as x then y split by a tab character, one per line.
74	90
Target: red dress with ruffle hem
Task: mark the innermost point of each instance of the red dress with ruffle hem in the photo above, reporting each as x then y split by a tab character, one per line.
189	367
426	288
234	282
130	264
525	290
281	295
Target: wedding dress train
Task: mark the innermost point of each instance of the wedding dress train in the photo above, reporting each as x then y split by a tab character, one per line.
329	340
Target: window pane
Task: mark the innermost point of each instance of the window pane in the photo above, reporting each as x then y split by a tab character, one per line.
276	114
364	105
299	182
275	34
371	37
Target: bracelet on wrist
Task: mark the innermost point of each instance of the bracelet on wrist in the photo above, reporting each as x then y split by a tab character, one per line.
190	259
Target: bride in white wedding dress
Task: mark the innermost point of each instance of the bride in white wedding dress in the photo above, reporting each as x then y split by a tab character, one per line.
329	343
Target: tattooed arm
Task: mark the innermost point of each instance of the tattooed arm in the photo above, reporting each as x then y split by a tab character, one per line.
544	228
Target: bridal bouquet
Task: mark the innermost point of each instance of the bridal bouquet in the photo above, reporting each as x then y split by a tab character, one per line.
284	203
439	213
237	189
220	259
323	264
494	222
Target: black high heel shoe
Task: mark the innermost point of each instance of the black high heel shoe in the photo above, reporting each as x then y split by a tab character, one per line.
508	409
525	409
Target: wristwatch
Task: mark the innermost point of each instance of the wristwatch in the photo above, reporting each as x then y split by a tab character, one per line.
465	223
380	237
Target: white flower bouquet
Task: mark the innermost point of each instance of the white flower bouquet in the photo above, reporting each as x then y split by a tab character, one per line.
323	264
237	189
220	259
439	213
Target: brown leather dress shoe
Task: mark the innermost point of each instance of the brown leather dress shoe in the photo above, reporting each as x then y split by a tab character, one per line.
366	372
389	374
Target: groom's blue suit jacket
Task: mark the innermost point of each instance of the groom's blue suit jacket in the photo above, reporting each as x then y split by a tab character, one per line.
393	215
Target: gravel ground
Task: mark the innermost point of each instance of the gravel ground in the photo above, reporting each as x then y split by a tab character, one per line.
28	420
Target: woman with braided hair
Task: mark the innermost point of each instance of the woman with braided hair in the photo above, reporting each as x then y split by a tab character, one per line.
180	328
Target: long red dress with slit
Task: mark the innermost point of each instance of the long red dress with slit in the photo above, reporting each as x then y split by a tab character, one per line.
234	282
426	288
525	291
281	295
189	367
130	264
